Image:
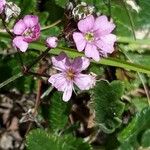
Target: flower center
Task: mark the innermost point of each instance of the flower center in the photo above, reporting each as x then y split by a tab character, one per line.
70	74
89	36
28	32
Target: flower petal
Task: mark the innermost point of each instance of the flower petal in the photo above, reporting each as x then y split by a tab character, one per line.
62	84
86	24
61	62
106	43
103	26
19	27
68	92
92	52
58	81
80	63
2	5
30	20
19	43
79	41
84	82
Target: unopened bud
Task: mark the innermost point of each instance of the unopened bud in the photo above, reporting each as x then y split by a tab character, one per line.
11	10
82	10
52	42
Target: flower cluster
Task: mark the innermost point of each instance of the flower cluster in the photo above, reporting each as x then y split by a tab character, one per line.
93	36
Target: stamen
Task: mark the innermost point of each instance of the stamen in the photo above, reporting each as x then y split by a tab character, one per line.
70	74
28	32
89	36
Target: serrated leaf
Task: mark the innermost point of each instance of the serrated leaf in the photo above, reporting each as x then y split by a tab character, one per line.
58	112
107	106
40	139
139	123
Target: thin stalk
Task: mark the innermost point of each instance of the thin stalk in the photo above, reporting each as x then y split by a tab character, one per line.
6	28
38	74
130	19
50	26
13	78
12	36
47	92
105	61
27	68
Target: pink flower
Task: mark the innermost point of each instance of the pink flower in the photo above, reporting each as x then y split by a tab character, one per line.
26	30
95	37
70	74
2	5
51	42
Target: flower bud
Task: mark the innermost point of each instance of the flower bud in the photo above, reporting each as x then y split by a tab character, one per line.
11	10
51	42
82	10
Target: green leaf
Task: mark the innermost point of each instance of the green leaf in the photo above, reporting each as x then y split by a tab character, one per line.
97	69
146	139
138	124
40	139
28	6
142	58
118	11
55	11
142	20
58	111
62	3
140	103
107	106
126	146
11	79
11	73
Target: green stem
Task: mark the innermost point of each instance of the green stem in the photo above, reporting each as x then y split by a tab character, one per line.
13	78
5	36
50	26
105	61
133	41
